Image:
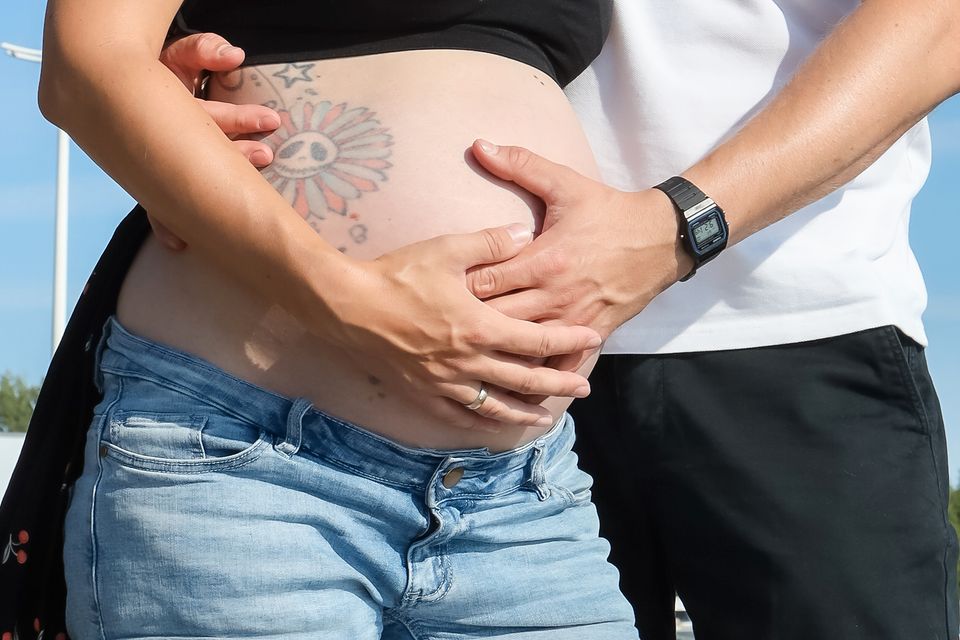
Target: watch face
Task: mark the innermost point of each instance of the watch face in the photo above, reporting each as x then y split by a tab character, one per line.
708	231
704	231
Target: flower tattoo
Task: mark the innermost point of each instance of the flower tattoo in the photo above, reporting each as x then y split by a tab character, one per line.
326	155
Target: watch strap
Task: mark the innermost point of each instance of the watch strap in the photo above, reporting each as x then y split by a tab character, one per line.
684	194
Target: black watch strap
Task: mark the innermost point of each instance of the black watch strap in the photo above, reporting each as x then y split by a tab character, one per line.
682	192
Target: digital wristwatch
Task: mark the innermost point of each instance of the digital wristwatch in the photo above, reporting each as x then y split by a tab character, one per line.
703	229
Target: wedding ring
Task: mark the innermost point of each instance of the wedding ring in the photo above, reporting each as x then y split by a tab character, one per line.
479	400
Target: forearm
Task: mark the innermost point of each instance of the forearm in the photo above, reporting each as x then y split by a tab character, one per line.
111	102
872	79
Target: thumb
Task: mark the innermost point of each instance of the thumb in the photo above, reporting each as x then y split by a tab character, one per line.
189	56
490	245
536	174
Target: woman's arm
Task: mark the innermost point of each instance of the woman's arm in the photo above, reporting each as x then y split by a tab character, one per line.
103	83
408	316
190	58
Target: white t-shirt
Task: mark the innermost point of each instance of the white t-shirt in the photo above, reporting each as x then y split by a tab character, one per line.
674	79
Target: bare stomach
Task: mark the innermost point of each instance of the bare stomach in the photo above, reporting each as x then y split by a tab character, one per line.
374	153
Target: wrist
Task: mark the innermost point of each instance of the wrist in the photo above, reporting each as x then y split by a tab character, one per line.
326	284
722	187
660	234
703	230
676	262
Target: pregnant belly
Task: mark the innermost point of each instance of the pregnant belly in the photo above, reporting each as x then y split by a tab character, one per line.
373	153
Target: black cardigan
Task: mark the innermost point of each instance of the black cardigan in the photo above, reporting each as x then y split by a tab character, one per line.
32	588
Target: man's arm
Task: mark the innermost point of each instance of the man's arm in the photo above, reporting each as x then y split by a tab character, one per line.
881	70
605	254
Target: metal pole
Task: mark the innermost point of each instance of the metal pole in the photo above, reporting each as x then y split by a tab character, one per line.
61	220
60	240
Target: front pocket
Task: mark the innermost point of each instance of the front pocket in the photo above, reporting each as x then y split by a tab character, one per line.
157	435
906	354
170	441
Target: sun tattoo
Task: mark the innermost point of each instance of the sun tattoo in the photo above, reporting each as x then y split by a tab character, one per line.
325	155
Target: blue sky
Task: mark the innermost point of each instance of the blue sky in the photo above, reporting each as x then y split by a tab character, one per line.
26	226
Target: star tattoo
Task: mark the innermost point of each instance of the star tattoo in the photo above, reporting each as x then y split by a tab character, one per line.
291	73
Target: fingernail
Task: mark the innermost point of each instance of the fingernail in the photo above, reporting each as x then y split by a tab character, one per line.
259	158
545	421
227	49
521	234
582	391
488	147
594	342
268	122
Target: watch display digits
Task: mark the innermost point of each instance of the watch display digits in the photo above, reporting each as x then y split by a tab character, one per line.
703	227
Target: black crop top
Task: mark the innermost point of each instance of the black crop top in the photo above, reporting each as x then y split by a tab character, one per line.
559	37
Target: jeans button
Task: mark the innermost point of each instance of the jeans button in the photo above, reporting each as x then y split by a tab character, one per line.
452	477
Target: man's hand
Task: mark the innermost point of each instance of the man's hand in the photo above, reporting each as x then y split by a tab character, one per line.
189	58
408	317
603	254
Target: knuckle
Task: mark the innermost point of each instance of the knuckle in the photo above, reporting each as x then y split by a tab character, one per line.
554	263
494	241
434	372
496	279
563	298
476	334
545	346
207	43
446	244
527	384
483	281
491	409
519	157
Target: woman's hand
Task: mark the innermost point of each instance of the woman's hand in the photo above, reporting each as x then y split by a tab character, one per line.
190	58
408	318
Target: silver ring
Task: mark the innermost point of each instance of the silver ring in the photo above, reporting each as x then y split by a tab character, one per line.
479	400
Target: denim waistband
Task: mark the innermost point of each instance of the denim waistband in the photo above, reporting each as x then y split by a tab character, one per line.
336	441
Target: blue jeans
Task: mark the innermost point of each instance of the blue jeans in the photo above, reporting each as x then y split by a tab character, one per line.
209	507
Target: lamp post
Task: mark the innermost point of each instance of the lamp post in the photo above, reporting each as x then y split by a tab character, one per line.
60	225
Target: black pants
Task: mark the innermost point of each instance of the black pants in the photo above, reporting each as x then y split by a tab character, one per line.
789	492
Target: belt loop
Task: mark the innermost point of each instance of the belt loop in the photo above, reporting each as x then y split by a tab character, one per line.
537	476
436	478
289	447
